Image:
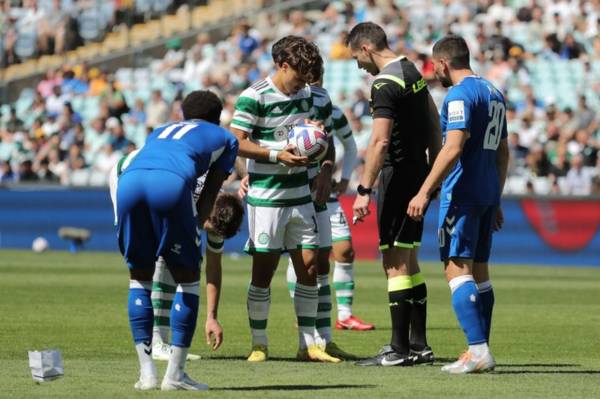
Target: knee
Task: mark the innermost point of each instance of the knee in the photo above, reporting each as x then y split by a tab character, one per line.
347	255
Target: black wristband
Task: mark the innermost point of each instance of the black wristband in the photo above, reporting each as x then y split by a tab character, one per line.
363	191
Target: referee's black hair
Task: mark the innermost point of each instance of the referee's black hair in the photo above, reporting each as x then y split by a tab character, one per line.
367	31
454	48
202	104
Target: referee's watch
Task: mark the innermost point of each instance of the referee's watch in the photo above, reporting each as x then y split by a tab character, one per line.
363	190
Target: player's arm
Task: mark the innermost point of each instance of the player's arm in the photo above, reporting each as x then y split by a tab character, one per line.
502	159
434	140
322	183
214	180
214	251
344	134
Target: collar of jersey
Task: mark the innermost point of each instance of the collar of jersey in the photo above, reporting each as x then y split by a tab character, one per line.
394	60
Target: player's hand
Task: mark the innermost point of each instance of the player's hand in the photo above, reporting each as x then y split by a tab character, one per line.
417	206
322	184
214	333
341	186
499	219
288	157
243	190
316	123
361	207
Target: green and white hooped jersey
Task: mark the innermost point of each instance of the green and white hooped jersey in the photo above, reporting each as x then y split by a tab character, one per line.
267	115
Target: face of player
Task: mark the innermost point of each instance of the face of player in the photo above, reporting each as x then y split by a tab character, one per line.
364	59
291	80
442	73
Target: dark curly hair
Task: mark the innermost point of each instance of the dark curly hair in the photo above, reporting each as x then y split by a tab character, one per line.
202	104
227	214
300	54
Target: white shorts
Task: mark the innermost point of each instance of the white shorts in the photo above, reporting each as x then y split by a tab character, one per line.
324	227
340	230
275	229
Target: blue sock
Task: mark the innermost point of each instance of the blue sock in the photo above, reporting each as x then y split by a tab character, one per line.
141	316
486	296
184	313
466	304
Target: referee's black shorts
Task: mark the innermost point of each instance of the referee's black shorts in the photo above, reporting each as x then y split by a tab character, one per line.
397	186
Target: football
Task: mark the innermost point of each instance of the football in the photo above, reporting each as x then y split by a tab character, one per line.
309	140
40	244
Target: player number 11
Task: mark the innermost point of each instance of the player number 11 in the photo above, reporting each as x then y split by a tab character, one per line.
493	133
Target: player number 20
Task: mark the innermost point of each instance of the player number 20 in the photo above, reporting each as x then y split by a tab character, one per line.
493	133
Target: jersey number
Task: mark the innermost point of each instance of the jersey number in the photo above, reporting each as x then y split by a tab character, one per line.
493	133
182	129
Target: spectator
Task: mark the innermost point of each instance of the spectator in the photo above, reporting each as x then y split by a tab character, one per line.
13	124
26	173
98	82
115	100
339	50
579	179
570	48
360	106
246	42
6	173
157	110
137	115
56	101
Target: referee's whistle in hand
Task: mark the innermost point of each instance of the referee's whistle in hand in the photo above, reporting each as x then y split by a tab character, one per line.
361	208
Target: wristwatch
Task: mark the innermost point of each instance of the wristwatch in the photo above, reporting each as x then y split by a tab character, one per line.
363	191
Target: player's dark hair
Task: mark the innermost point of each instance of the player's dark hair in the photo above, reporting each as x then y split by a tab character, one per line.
367	32
300	54
454	48
226	217
202	104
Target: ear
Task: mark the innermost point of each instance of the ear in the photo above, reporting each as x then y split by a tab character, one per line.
365	47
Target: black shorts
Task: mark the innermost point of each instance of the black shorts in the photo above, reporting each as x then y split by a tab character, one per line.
397	186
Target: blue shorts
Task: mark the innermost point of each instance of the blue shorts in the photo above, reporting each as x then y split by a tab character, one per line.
466	232
157	217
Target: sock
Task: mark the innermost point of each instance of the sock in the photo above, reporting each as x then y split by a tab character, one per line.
400	294
418	315
140	322
479	350
306	301
259	300
184	313
466	302
486	295
323	323
343	283
163	292
291	278
176	363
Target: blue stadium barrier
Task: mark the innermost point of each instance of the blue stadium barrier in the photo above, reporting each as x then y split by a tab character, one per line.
27	213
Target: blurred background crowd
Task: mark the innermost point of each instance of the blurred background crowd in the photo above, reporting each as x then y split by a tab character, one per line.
77	121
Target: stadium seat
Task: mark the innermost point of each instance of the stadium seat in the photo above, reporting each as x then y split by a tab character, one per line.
25	46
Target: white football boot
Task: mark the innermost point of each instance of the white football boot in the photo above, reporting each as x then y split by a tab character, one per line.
469	363
146	384
185	384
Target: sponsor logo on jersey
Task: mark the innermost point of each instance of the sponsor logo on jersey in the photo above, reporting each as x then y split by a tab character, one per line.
456	111
263	238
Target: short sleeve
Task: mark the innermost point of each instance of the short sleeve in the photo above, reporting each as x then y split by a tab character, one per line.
225	156
384	98
458	111
246	111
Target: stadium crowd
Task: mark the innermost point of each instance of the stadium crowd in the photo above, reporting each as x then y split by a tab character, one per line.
545	55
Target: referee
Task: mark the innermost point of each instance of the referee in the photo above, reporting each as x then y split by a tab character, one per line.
405	130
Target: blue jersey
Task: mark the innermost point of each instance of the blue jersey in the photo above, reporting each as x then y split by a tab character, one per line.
474	105
187	149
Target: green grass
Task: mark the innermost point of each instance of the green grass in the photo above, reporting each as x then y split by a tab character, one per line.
545	335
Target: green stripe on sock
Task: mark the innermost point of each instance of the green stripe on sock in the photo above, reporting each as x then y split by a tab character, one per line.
344	300
306	321
258	324
324	307
162	321
344	286
322	323
169	289
160	304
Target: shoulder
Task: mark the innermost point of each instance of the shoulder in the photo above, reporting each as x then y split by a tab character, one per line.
336	112
319	91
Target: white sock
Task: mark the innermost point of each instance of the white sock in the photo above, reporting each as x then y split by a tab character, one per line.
147	367
479	349
163	292
323	323
176	363
291	278
343	283
306	301
259	300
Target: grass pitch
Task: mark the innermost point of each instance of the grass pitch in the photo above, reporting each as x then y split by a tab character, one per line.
545	335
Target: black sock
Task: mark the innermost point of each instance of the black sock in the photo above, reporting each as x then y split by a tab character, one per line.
418	319
400	309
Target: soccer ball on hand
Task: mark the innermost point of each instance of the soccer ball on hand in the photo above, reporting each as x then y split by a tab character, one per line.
309	140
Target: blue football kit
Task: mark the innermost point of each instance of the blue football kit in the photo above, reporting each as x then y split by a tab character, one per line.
156	213
470	194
